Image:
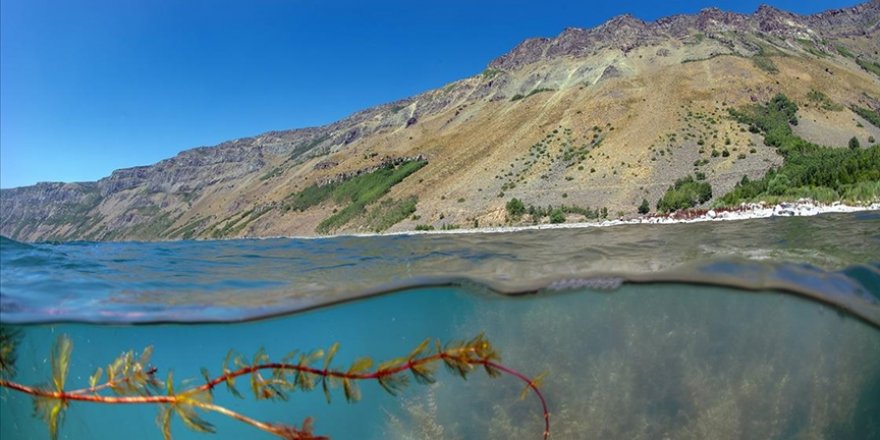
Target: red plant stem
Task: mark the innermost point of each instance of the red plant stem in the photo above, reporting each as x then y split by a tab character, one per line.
267	427
63	395
534	388
408	365
67	396
390	371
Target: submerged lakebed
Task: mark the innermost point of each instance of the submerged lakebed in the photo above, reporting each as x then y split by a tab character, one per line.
764	328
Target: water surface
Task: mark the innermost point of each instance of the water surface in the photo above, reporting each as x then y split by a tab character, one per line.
726	330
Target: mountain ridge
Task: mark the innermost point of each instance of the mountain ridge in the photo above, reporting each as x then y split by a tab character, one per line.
207	186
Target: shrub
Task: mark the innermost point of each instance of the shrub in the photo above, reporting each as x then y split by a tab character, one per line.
644	208
778	185
515	208
854	143
685	193
869	115
557	216
807	168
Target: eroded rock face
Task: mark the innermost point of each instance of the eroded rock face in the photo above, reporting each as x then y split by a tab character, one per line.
627	32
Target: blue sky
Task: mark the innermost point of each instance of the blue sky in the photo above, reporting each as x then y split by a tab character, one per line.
90	86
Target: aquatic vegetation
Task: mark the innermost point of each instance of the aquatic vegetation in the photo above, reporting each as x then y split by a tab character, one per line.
672	362
9	339
131	379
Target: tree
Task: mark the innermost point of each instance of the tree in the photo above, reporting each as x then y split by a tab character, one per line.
854	143
644	208
557	216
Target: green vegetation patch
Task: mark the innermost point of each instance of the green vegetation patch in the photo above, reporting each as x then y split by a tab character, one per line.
391	212
188	230
274	172
822	101
811	48
518	96
685	193
808	170
845	52
515	208
870	66
490	73
869	115
304	147
765	63
356	193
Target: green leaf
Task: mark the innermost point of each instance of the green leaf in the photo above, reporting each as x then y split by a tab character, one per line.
230	386
391	364
492	371
94	378
312	357
424	373
394	383
305	380
536	382
360	364
164	421
352	392
51	410
325	386
418	350
260	357
289	357
330	354
457	366
145	355
192	420
205	374
186	407
60	361
229	356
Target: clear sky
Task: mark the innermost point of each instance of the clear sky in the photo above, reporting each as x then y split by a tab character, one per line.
89	86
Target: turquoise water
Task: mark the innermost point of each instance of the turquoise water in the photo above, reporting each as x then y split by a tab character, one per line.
753	329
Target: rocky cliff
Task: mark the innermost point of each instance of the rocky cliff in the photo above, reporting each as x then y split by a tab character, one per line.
601	117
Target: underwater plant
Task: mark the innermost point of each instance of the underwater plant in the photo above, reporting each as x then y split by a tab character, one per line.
130	379
9	338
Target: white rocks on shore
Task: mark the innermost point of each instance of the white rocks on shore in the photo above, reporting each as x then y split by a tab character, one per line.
803	207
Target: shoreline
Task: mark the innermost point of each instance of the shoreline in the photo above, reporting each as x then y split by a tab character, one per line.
748	211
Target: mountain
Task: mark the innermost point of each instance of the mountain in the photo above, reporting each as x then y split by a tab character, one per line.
593	118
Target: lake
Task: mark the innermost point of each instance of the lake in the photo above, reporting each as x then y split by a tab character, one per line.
765	328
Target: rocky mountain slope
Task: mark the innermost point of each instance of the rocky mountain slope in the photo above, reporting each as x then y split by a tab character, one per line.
598	118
